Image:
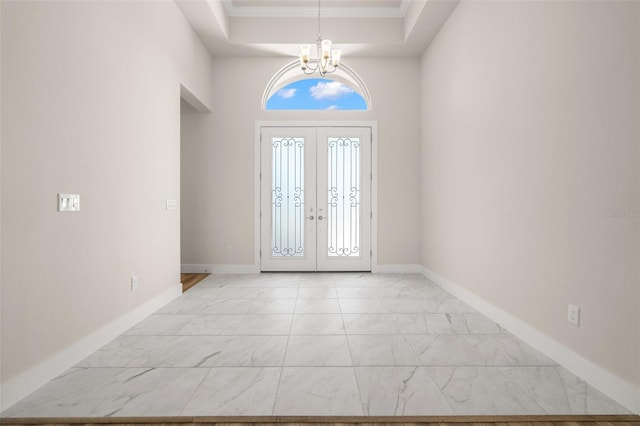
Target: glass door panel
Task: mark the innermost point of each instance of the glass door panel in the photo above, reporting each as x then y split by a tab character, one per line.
287	197
287	183
344	196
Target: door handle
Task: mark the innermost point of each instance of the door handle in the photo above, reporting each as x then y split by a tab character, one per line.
310	217
319	217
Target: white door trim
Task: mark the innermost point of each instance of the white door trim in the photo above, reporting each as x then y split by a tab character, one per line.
374	170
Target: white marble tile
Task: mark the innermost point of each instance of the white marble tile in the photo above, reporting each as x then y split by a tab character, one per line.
235	391
426	292
381	350
318	351
219	293
317	306
453	305
355	293
317	293
403	280
272	306
445	350
317	324
362	306
286	279
103	392
507	350
226	306
153	351
410	323
400	391
368	292
160	324
233	292
354	279
327	391
369	324
410	306
210	325
184	305
189	351
264	324
239	351
317	280
482	391
585	399
479	324
275	293
446	324
544	385
379	280
255	281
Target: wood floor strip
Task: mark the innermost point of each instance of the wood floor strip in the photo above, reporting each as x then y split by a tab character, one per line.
591	420
189	280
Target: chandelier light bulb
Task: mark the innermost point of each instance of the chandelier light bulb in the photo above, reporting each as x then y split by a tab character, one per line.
304	53
326	49
335	57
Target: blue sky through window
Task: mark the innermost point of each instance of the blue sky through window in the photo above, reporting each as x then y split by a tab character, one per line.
316	94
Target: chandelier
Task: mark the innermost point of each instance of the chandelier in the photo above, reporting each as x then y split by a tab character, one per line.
327	60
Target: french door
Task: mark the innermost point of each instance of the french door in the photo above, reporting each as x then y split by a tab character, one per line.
315	199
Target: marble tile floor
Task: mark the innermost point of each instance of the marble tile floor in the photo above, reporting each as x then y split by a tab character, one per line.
315	344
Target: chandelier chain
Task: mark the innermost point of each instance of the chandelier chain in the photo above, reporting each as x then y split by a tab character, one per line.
327	61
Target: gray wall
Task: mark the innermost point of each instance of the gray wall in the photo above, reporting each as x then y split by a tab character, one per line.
530	138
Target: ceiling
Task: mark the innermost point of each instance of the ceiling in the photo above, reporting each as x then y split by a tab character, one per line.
309	8
278	27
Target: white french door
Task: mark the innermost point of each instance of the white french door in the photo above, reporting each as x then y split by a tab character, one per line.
315	199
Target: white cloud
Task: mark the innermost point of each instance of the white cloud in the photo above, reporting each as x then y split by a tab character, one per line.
332	107
287	93
329	90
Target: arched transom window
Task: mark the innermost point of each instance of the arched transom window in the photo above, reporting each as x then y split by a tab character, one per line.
290	90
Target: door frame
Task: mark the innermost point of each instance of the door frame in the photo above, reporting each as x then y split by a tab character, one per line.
373	125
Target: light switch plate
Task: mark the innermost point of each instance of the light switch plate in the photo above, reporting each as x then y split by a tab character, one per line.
171	204
68	202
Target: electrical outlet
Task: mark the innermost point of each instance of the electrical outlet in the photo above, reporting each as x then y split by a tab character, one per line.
134	282
573	315
227	249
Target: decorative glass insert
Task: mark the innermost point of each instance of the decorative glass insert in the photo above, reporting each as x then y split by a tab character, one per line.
316	94
343	219
287	197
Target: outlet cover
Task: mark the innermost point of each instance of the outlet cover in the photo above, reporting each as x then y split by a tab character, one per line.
573	315
134	283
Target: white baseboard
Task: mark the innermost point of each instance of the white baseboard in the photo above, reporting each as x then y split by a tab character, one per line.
620	390
18	387
255	269
219	269
397	269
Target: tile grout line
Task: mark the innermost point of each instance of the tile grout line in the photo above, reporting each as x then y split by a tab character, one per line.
353	367
286	349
